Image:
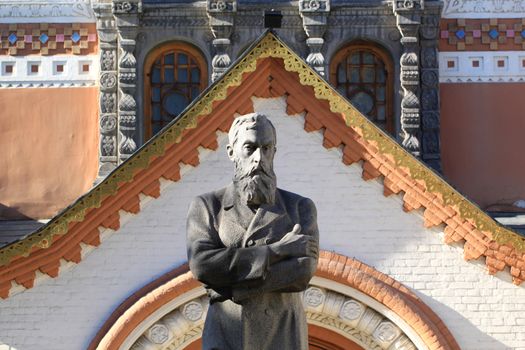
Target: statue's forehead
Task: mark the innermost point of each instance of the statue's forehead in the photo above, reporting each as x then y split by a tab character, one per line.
259	134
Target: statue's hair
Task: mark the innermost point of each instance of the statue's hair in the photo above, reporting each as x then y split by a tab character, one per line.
249	122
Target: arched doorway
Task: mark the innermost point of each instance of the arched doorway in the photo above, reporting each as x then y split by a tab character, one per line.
348	305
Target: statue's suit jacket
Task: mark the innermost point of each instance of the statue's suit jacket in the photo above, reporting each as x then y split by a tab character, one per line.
253	305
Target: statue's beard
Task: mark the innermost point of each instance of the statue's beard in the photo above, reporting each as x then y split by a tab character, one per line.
255	185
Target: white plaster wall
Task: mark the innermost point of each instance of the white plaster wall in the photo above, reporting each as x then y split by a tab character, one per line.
355	219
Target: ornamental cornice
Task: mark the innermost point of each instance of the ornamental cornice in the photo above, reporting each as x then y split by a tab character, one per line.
174	17
380	15
51	11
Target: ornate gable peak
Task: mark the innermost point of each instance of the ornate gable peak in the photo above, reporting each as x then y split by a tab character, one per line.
268	69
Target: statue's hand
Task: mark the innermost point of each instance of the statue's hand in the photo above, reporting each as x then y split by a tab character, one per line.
294	244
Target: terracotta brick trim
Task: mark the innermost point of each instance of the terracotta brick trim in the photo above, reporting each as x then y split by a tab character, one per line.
392	294
332	266
139	306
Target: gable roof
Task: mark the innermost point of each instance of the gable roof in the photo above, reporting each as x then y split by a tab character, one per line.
268	69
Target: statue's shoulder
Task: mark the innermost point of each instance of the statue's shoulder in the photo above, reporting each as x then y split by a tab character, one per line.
212	199
294	199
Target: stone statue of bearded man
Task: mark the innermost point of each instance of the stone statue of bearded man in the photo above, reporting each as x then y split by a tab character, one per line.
255	247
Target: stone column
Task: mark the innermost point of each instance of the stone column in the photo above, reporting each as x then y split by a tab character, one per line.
429	34
315	15
221	14
408	19
127	19
107	35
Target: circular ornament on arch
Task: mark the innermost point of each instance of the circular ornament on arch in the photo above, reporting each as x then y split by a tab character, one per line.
193	311
158	334
314	297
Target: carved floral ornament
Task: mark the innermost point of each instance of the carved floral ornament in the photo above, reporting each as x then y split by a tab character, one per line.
324	308
405	5
354	304
222	5
314	5
126	7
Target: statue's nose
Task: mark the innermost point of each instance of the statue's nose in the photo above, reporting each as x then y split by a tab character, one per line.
256	156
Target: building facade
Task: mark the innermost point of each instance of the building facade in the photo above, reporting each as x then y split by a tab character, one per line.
114	116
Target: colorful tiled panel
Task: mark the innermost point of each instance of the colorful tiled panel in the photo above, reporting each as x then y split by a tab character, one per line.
482	35
48	39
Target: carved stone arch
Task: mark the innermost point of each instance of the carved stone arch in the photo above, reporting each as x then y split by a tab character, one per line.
349	305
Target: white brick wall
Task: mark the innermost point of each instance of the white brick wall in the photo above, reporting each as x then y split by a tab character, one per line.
355	219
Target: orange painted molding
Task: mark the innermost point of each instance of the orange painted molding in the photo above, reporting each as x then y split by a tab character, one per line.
335	267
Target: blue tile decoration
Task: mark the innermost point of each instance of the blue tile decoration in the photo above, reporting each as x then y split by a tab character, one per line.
43	38
493	33
12	38
523	33
75	37
460	34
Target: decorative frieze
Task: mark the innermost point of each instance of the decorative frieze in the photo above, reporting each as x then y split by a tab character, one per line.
50	11
48	39
368	16
483	9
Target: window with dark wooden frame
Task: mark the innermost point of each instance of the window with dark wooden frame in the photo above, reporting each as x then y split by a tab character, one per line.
364	74
175	75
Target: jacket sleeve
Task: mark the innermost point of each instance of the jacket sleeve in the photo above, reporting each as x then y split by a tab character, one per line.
293	274
214	264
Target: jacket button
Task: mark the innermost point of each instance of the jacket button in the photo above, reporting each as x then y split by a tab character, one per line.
267	240
250	243
267	312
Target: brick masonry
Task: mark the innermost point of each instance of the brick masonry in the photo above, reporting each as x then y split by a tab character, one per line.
355	219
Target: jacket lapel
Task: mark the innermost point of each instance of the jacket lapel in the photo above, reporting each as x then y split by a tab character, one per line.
265	215
231	231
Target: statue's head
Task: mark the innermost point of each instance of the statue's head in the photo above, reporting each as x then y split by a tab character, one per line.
252	148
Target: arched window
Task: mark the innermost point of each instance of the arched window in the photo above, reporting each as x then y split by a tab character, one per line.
364	74
175	74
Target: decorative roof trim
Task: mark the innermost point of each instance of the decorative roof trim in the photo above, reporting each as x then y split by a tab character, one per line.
361	141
